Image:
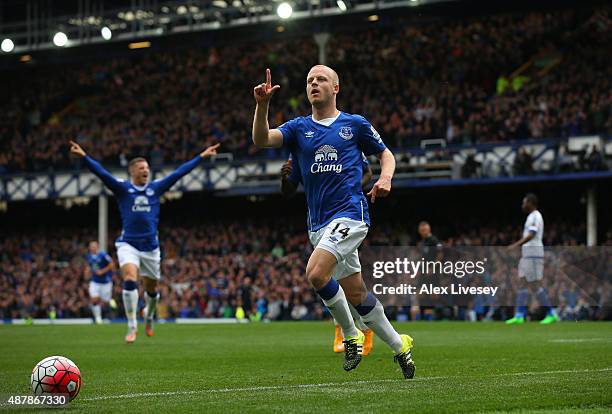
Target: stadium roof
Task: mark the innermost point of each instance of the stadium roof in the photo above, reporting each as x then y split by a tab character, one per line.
32	24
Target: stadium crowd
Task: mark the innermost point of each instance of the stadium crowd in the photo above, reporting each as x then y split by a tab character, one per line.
445	74
413	79
214	269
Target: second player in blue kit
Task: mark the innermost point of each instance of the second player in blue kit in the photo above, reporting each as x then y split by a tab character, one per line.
138	245
101	268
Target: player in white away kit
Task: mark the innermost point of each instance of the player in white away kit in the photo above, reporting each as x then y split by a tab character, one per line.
327	148
531	265
138	246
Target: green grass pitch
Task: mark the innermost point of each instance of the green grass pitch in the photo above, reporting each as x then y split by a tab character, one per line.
289	367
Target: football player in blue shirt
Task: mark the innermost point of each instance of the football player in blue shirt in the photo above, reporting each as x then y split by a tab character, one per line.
138	246
101	282
327	146
290	181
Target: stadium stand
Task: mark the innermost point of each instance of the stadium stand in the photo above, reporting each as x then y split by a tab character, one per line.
168	104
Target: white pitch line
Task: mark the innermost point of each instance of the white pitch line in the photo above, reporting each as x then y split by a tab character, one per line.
328	384
578	340
245	389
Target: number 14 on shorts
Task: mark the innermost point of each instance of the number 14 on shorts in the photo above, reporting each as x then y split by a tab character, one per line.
343	231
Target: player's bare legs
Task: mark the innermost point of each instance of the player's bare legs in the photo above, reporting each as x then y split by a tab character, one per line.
129	271
373	315
319	271
151	299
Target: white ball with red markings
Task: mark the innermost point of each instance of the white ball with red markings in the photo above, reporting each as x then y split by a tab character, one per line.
56	375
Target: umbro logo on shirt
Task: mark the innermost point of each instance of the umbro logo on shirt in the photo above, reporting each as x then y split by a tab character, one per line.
309	134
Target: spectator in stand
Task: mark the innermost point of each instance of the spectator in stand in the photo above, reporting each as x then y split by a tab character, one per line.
470	168
523	162
595	161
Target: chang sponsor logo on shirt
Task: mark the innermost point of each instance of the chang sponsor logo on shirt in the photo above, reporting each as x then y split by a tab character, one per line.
141	204
325	160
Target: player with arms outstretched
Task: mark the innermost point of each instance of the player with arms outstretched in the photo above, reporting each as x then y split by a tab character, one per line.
328	147
531	264
138	245
101	266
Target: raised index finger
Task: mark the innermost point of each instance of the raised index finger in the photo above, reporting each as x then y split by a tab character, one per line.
268	77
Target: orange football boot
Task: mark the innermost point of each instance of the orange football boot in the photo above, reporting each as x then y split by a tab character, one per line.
131	336
149	328
338	338
369	341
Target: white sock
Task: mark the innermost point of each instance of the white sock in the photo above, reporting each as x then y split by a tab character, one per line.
130	303
378	322
357	317
151	305
472	317
97	312
339	308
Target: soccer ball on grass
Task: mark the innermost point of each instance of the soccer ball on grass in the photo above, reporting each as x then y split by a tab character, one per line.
56	375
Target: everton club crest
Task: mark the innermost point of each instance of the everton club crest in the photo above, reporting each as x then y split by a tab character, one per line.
346	133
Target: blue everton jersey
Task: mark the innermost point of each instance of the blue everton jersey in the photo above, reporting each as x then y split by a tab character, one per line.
97	262
139	206
330	164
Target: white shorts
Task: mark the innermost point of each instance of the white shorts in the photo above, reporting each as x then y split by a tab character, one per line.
531	268
148	263
341	237
103	291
